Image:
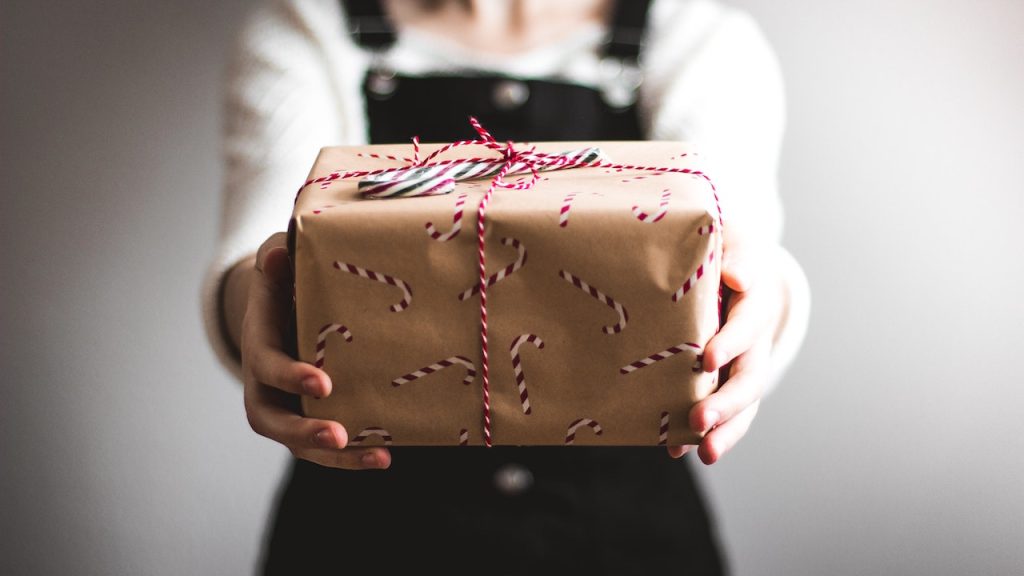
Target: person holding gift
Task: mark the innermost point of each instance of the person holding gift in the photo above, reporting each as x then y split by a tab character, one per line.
309	73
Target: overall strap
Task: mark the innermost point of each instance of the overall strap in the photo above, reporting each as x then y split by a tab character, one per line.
626	33
369	24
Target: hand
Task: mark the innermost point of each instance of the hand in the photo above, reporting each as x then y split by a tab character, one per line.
743	344
273	380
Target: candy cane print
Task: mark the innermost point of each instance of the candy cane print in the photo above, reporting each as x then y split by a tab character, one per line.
441	365
456	222
371	431
383	279
663	430
500	274
464	437
662	209
659	356
570	434
709	229
563	213
600	297
517	367
321	341
692	280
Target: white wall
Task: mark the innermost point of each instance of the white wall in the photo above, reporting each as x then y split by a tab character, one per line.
894	447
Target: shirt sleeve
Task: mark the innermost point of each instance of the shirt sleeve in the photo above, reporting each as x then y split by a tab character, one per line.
279	107
712	78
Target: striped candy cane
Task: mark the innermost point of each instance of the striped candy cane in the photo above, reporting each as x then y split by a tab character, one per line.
464	437
321	341
663	430
600	297
441	365
517	367
659	356
570	434
383	279
501	274
456	222
440	178
662	210
368	432
692	280
563	213
704	230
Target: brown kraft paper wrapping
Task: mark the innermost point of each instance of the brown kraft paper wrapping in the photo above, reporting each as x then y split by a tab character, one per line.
357	321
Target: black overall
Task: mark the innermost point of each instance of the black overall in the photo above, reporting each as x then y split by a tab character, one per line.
503	510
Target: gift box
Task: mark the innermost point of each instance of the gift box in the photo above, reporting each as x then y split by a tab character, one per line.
602	290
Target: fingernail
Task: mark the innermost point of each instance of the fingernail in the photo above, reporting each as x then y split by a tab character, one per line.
325	437
369	459
711	420
686	450
311	386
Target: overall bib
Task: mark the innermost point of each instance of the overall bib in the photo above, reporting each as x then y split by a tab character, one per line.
502	510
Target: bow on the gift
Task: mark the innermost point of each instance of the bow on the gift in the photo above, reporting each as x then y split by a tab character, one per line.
427	177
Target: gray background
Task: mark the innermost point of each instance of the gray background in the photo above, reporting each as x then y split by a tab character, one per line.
894	446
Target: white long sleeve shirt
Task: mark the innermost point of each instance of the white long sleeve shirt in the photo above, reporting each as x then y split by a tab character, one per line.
294	85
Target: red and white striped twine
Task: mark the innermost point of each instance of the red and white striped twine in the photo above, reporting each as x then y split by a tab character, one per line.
500	274
517	367
570	434
368	432
440	365
664	354
511	157
383	279
600	297
321	341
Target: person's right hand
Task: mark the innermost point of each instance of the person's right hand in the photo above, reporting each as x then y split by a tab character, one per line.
273	380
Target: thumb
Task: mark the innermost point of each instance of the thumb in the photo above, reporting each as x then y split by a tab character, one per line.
277	267
272	261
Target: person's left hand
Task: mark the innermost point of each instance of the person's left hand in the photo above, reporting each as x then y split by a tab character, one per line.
743	344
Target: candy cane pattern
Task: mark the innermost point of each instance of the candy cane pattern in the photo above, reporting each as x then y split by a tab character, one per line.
456	222
517	367
464	437
470	371
570	434
501	274
321	341
563	213
663	430
600	297
662	209
371	431
383	279
709	229
692	280
659	356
